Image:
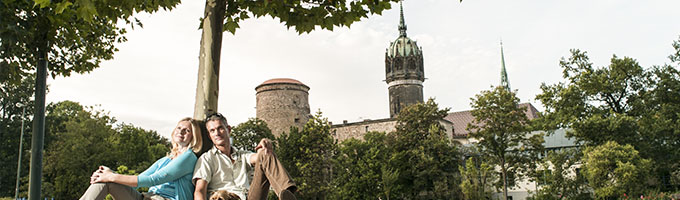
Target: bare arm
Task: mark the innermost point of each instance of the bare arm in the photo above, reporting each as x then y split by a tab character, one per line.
104	174
201	189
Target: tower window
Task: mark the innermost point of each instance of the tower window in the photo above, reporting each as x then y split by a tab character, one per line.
297	120
366	129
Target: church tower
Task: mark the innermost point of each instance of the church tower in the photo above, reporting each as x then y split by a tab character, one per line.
404	72
504	75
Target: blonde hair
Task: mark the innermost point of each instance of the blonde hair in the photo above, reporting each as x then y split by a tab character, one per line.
196	139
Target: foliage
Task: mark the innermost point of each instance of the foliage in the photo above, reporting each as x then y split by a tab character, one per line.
248	134
559	177
304	15
613	169
595	103
83	145
75	34
478	177
86	139
501	127
359	168
308	155
621	102
13	99
137	147
422	158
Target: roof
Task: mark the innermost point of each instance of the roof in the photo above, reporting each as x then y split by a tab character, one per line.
282	80
461	119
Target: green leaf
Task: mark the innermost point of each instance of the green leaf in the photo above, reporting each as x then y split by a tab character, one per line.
61	6
42	3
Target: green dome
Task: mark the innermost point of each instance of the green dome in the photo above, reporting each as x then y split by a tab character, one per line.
402	47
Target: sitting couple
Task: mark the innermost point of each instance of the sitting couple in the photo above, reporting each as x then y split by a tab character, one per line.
222	171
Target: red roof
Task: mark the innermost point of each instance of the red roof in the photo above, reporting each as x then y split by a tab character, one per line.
282	80
461	119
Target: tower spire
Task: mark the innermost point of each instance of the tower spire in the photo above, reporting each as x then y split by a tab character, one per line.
504	74
402	24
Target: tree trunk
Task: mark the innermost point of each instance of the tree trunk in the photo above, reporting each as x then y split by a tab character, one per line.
207	86
37	140
504	173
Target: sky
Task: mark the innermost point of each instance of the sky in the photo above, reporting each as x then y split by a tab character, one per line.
151	80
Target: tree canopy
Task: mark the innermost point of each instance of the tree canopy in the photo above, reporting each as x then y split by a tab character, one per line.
308	155
88	138
501	127
613	170
422	157
304	16
77	34
248	134
622	102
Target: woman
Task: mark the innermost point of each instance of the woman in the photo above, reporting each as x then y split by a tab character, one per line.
168	178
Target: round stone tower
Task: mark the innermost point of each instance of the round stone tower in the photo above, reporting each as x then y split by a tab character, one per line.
404	72
282	103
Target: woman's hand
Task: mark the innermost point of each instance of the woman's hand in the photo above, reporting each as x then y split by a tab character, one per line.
94	176
102	175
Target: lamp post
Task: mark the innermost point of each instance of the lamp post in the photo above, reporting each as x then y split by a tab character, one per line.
21	142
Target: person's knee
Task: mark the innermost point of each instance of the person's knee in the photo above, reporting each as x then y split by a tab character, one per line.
262	156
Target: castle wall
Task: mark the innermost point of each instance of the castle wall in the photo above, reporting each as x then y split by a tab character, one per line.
357	130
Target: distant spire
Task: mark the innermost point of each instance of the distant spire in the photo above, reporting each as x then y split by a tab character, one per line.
402	24
504	74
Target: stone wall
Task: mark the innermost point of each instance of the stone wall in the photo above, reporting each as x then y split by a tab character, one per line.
282	105
357	130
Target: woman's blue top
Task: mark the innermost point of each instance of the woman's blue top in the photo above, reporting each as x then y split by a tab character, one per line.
170	178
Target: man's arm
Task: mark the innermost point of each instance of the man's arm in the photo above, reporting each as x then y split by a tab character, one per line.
201	189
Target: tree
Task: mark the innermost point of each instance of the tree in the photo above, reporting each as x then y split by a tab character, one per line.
86	139
80	149
74	36
422	156
558	177
621	102
359	168
248	134
613	170
595	103
478	177
64	37
14	98
308	155
501	127
136	148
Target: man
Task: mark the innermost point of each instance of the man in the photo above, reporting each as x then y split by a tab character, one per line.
225	168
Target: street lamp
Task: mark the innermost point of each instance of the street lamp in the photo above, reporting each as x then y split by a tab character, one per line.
21	142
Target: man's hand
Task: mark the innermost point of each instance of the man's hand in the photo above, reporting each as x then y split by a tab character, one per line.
266	145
